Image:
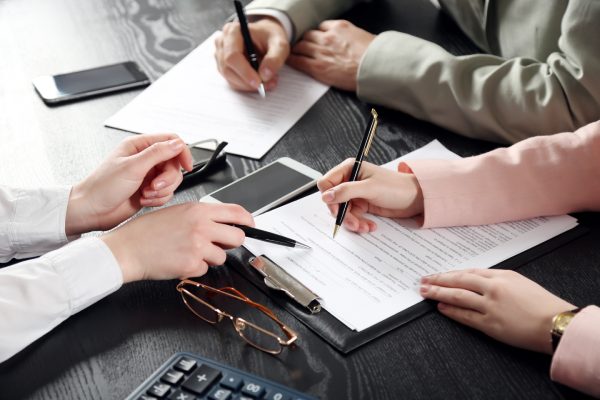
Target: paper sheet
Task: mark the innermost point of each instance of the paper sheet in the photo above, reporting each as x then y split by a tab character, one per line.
193	100
364	279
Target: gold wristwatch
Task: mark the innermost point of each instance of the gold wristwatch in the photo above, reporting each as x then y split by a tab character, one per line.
559	323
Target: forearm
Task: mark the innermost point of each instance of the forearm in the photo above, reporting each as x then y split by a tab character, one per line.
547	175
306	14
481	96
39	294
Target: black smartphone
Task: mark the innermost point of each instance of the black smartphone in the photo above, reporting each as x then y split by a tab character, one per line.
56	89
267	187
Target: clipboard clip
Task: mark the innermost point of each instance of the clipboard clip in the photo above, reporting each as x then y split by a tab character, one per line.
277	278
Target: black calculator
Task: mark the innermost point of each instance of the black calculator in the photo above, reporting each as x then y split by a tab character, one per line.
187	376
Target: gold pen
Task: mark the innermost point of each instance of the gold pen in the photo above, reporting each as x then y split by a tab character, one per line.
363	151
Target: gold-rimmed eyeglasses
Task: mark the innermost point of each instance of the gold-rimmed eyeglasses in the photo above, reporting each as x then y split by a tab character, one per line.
259	327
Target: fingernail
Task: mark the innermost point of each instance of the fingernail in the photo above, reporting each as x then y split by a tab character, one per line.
175	144
442	306
266	74
150	194
425	279
424	288
159	185
328	195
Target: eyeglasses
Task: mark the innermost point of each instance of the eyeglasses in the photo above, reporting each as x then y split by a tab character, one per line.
215	147
260	327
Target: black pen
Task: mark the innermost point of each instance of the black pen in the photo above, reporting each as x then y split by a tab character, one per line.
270	237
363	151
252	57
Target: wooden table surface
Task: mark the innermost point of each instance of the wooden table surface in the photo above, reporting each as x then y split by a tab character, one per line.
107	350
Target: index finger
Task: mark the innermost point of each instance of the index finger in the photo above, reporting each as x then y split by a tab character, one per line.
231	214
338	174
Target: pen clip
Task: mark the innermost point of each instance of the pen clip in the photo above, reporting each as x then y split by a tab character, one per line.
277	278
374	121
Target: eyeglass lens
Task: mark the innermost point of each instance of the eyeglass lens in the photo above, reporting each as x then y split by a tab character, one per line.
254	325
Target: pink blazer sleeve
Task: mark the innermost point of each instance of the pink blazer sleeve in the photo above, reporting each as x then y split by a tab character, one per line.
540	176
576	362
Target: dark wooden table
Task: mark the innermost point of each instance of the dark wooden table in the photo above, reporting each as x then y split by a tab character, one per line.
110	348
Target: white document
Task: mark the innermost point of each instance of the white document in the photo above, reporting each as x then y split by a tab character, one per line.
193	100
364	279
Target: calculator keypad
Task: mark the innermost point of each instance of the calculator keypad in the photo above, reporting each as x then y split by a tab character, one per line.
190	378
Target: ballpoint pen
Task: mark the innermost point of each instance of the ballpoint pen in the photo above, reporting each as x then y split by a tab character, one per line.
363	151
252	57
270	237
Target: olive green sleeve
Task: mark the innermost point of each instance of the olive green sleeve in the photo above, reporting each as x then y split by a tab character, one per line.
306	14
489	97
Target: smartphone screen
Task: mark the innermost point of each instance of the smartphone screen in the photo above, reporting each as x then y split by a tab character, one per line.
89	82
263	187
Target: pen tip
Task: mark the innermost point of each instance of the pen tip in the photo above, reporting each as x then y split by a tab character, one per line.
303	246
335	230
261	90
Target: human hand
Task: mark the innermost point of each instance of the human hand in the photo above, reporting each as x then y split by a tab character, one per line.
177	242
502	304
143	170
332	54
377	191
272	47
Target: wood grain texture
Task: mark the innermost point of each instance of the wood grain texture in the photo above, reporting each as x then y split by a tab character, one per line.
105	351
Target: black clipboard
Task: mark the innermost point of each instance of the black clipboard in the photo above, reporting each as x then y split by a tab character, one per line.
345	339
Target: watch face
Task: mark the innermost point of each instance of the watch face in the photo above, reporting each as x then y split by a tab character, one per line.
562	321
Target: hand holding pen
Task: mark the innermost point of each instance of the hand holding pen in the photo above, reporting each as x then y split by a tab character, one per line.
271	44
251	53
376	190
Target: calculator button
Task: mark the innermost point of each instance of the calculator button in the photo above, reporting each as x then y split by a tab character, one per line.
242	397
146	397
159	390
179	395
276	395
220	394
201	379
253	390
172	377
185	364
232	382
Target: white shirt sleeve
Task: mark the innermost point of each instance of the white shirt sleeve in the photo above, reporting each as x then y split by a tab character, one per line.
37	295
32	221
280	16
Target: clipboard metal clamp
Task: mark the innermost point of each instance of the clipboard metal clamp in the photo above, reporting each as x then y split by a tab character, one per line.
277	278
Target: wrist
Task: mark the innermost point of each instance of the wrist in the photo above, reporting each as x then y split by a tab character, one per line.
560	322
123	252
79	218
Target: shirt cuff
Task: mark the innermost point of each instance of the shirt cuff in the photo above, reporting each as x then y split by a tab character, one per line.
38	223
576	362
280	16
88	269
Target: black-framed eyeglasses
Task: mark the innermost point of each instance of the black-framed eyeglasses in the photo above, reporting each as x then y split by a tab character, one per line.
208	157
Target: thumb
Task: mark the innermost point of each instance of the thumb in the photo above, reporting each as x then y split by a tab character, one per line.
347	191
157	153
277	52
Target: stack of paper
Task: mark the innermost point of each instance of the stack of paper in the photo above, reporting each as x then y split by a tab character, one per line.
364	279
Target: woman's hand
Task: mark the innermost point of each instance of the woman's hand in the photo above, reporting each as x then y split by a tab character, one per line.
502	304
332	53
177	242
271	44
143	171
377	191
